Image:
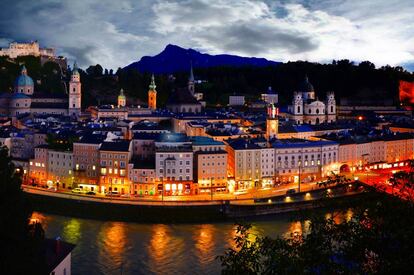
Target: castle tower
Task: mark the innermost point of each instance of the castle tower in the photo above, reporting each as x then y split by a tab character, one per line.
75	92
24	83
191	80
121	99
152	94
272	122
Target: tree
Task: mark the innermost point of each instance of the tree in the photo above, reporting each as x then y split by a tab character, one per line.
21	241
404	182
378	239
333	179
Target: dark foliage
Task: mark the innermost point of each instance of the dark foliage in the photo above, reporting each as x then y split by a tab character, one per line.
361	84
378	239
20	241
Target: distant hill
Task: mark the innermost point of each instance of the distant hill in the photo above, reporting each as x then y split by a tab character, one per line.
176	59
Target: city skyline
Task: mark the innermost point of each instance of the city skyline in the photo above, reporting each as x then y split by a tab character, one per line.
117	34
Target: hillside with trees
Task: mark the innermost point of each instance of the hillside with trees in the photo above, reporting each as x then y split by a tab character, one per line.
361	83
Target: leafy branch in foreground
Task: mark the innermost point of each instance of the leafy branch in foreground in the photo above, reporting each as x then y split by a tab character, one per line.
378	239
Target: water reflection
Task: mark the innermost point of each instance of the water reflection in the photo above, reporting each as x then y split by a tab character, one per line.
71	231
114	239
204	240
130	248
160	239
166	249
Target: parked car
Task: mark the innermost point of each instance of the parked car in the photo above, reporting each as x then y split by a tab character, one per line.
125	196
91	193
112	194
52	188
290	191
77	191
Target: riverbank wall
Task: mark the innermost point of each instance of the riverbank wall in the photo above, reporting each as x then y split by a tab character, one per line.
187	212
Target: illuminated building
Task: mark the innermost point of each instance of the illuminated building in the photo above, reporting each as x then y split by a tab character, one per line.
38	165
60	168
174	164
304	160
114	158
244	162
141	174
86	161
210	165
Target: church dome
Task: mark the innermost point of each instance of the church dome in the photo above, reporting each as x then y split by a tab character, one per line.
306	86
23	79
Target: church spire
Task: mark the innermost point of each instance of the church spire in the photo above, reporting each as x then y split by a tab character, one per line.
75	68
191	80
191	77
152	86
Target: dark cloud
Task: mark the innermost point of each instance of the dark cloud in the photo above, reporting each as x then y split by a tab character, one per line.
256	40
116	33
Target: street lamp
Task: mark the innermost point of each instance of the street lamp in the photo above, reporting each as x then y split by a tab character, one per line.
211	188
163	176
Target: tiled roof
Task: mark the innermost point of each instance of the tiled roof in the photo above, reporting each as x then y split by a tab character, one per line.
116	146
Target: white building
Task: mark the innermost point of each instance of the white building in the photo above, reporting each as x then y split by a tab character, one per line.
236	100
174	164
304	159
306	108
60	168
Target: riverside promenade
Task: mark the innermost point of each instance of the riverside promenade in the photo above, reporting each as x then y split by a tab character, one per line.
198	209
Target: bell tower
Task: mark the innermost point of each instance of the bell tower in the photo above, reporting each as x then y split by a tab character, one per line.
121	99
272	122
152	94
75	93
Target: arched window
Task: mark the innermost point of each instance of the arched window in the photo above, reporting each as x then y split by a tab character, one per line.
317	111
298	109
317	120
310	111
190	110
332	109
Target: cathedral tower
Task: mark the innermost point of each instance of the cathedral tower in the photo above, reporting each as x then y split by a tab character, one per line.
152	94
75	93
272	122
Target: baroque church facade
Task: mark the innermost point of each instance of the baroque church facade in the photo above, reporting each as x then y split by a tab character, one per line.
24	100
306	108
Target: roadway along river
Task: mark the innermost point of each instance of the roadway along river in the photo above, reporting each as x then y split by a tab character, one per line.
106	247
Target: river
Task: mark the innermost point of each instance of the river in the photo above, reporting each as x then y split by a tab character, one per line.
108	247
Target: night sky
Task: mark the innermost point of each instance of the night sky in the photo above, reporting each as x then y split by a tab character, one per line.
116	33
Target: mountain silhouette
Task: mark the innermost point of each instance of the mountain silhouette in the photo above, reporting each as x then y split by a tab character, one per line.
175	59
